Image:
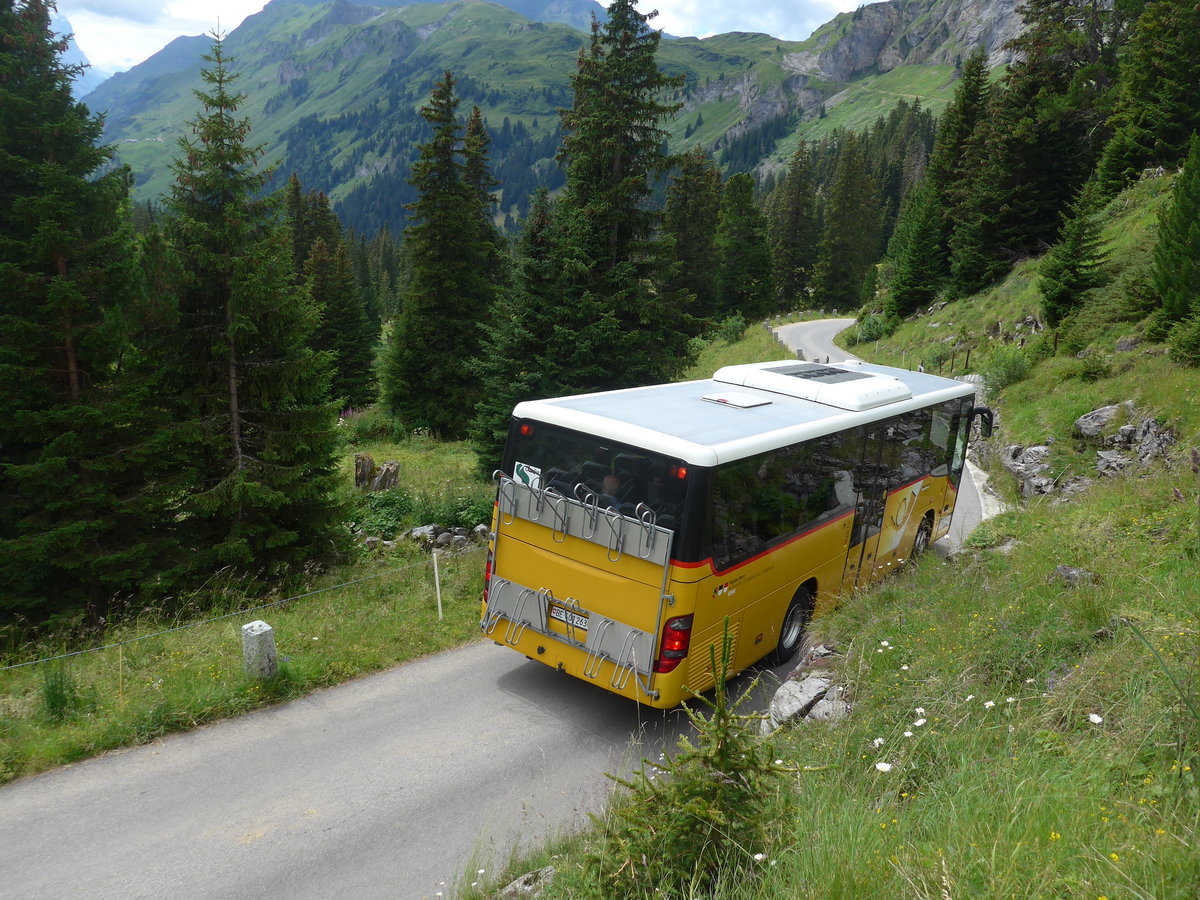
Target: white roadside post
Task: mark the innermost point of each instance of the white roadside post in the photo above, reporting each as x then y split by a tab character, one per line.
437	583
258	650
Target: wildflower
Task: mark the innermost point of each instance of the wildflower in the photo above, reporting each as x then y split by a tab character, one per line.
1095	719
988	704
759	857
920	710
878	742
1011	700
970	697
908	734
883	766
1114	857
884	644
1054	835
904	668
779	762
918	723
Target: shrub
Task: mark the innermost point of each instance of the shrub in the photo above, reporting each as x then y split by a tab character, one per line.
1184	342
730	329
701	817
1005	366
1095	368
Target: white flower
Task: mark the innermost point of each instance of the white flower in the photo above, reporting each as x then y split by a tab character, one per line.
759	857
988	704
908	734
920	710
904	668
878	649
1011	700
970	697
883	767
779	762
883	643
1029	681
1095	719
878	742
918	723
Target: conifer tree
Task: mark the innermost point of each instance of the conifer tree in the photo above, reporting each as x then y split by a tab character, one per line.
78	525
344	331
745	283
512	365
1074	266
690	223
1158	105
920	264
850	240
620	327
1175	268
253	396
792	226
428	382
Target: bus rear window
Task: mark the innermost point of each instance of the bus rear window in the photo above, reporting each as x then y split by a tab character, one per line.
583	466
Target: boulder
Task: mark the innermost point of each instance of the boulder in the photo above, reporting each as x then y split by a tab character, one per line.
1125	345
1072	576
1110	463
531	884
830	708
1027	464
794	699
1093	424
385	477
364	467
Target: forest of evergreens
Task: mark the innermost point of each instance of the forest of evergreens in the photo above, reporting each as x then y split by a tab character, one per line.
171	375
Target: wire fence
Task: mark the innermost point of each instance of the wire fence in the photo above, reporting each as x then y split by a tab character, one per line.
231	615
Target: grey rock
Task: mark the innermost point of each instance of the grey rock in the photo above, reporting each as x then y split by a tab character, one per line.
1028	465
423	533
1110	463
385	477
1075	486
1073	576
794	699
830	708
482	532
364	468
445	539
1093	424
531	884
1125	345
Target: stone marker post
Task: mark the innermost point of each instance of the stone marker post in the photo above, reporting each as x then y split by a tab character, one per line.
258	650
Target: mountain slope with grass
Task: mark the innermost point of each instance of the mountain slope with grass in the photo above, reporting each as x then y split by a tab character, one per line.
1018	729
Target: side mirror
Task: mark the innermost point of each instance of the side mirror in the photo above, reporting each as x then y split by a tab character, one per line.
986	420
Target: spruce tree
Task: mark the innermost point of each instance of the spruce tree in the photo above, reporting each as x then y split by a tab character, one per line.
850	240
1158	105
621	326
1175	267
253	409
344	330
512	365
1074	266
428	382
919	264
78	518
793	230
745	282
690	224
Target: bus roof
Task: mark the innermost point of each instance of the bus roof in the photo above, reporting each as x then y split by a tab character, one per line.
744	410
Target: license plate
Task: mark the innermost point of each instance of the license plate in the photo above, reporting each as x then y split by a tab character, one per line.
568	618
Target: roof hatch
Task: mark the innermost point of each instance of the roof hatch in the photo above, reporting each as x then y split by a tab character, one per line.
843	385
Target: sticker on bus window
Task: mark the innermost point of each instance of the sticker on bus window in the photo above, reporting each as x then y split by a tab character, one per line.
530	475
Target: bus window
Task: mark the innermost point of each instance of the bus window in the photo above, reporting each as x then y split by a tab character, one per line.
761	501
585	467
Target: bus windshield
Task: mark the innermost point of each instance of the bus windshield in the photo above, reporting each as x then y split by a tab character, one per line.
583	466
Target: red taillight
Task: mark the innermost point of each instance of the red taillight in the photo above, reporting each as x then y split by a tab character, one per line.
526	429
676	641
487	574
679	472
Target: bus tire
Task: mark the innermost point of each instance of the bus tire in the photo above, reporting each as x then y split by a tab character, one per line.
923	537
793	628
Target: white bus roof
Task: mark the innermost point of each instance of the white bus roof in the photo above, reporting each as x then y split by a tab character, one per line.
744	410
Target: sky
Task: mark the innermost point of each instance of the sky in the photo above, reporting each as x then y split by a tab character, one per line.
117	34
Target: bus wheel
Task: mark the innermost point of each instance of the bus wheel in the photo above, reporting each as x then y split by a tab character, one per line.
921	541
795	623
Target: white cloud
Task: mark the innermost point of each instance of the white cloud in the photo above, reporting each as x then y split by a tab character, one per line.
792	20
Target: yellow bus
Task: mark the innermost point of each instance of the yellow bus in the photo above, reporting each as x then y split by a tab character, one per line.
629	525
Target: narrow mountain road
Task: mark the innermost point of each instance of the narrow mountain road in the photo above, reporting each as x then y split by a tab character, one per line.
391	786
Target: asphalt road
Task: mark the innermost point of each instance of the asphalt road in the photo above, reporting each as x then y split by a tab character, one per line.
391	786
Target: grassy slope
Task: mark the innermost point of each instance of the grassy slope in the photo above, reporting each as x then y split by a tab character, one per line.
1057	748
55	713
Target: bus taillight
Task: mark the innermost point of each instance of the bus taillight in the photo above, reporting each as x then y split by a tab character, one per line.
487	574
677	639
